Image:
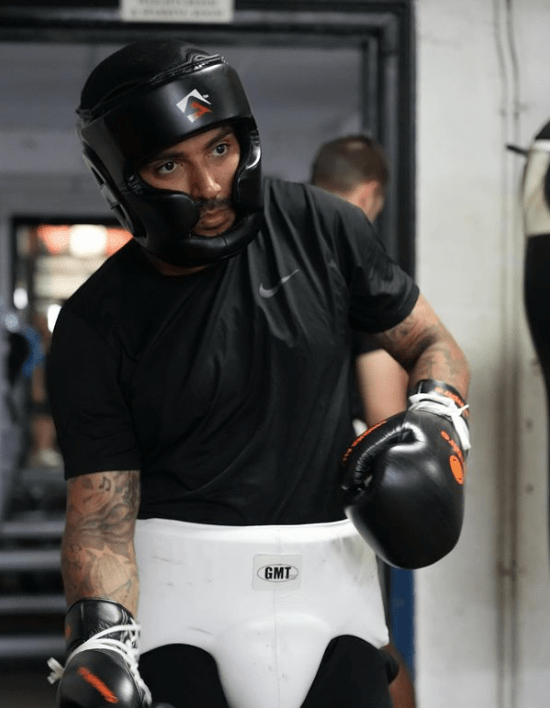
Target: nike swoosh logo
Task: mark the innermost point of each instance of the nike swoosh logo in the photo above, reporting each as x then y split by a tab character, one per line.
269	292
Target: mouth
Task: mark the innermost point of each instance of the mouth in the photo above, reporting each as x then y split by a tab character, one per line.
214	222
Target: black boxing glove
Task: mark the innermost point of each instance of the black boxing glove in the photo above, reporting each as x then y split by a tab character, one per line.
102	659
403	478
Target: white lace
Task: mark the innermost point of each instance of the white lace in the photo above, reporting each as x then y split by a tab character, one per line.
446	407
127	649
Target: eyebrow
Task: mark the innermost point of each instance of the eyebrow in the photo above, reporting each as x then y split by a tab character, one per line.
172	152
223	133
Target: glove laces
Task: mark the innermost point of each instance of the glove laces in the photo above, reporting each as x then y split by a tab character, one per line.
127	648
443	406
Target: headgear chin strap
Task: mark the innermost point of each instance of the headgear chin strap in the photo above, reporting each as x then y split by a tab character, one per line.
148	96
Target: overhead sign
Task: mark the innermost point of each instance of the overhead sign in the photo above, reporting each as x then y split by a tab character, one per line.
218	11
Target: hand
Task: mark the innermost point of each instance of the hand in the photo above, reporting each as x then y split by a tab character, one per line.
403	479
101	668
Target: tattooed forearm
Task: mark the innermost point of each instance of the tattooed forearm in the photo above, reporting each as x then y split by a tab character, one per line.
441	362
98	542
426	349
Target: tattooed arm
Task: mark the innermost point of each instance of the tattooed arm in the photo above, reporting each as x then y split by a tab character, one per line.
426	349
97	552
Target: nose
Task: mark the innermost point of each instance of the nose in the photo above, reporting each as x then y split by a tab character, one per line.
204	184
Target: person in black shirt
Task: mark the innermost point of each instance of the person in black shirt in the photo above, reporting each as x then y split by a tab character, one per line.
198	386
355	168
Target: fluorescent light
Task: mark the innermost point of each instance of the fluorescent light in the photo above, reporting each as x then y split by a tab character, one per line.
87	240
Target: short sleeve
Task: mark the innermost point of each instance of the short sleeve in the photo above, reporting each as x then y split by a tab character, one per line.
381	293
93	421
362	343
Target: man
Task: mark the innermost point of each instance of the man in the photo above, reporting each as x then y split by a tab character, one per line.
198	387
355	168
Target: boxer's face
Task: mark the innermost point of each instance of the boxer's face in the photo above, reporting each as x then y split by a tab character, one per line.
204	167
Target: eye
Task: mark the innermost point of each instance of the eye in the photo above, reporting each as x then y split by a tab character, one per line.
166	168
221	148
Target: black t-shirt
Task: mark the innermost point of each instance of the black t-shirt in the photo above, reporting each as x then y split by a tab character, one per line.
227	388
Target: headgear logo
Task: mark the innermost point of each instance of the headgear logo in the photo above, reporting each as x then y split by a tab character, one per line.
197	105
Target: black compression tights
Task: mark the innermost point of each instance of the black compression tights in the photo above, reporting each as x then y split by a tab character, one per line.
353	674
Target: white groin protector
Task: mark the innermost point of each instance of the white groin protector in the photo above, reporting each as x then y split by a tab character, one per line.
264	601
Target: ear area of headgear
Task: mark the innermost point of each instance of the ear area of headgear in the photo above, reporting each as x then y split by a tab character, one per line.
247	187
108	190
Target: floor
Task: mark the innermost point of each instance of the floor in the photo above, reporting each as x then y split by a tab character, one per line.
26	687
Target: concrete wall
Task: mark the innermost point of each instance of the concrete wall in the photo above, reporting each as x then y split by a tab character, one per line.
482	620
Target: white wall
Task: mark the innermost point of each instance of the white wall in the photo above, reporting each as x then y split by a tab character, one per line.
483	626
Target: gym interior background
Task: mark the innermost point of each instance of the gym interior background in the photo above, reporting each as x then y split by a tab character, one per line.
445	87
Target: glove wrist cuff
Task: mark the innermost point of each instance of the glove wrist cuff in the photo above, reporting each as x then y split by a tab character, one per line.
87	617
441	399
443	390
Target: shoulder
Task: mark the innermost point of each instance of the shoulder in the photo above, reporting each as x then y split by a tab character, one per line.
107	291
309	206
116	276
304	194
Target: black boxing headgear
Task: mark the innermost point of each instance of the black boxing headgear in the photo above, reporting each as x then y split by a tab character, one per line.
150	95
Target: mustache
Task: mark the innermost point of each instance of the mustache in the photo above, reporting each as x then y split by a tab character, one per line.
206	205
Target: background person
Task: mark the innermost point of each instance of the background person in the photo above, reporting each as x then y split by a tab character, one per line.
198	385
355	168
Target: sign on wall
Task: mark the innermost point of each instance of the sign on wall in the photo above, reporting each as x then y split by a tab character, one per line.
218	11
